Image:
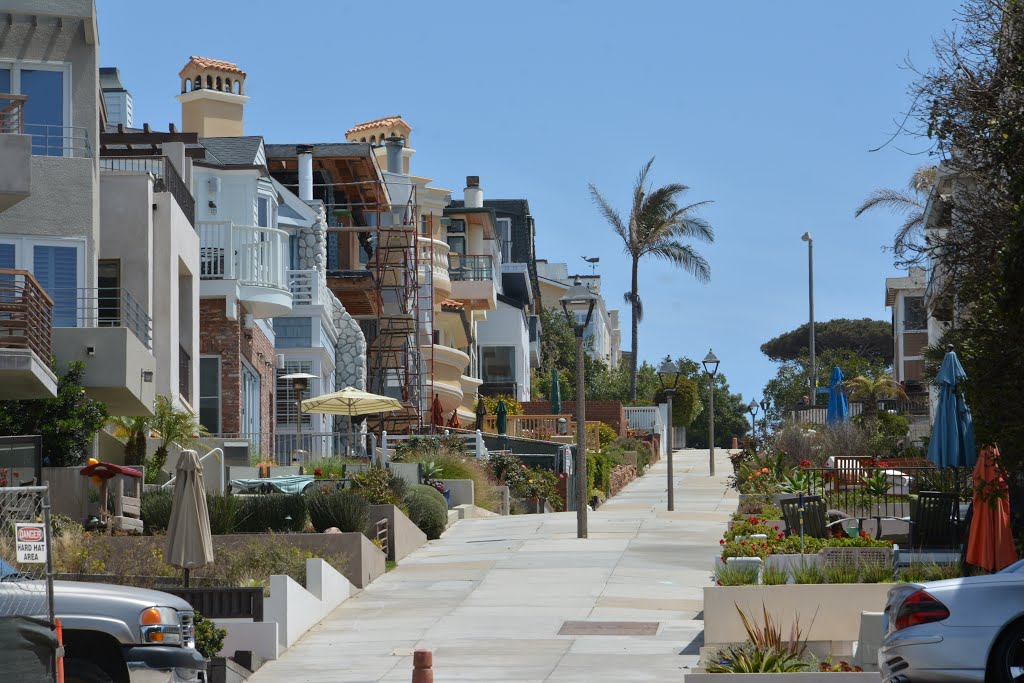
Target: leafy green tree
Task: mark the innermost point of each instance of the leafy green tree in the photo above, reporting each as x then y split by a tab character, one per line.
172	426
871	339
67	423
133	430
686	403
657	226
730	418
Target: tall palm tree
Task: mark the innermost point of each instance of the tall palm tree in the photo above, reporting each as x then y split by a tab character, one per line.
173	426
907	243
133	430
871	390
656	226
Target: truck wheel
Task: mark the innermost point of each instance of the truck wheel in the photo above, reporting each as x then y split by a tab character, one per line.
84	671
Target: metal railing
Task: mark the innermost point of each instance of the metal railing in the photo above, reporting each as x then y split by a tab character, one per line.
914	405
58	141
470	267
12	113
308	288
278	447
102	307
166	178
541	427
252	255
26	314
184	374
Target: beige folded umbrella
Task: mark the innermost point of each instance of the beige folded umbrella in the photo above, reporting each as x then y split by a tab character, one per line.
350	401
189	542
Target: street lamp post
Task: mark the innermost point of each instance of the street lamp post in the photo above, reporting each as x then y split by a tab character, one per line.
300	382
810	300
669	372
711	368
579	297
765	403
753	417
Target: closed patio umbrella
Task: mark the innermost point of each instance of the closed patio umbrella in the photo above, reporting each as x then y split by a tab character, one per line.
436	414
189	544
838	406
454	421
990	545
350	401
481	413
952	441
501	412
556	393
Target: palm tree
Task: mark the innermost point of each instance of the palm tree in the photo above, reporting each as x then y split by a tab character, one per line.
910	203
133	431
871	390
656	226
173	426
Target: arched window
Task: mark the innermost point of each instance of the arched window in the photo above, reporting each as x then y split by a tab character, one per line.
186	85
199	83
209	82
227	85
362	139
373	139
240	87
220	83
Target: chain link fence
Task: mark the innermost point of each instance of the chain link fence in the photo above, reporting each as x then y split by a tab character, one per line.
27	633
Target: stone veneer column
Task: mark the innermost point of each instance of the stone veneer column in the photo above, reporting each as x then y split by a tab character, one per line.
350	355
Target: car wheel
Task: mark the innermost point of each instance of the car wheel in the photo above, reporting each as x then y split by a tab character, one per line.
84	671
1008	655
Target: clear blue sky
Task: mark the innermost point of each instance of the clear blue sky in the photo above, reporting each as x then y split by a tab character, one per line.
767	108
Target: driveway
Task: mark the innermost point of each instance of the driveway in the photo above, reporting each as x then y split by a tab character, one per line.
494	597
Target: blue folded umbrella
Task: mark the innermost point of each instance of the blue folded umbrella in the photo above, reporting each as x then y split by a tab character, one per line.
838	405
952	441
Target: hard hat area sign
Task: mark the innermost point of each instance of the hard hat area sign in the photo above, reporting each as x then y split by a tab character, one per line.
31	543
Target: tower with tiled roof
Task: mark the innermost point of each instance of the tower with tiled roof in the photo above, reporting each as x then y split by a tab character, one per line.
212	98
378	130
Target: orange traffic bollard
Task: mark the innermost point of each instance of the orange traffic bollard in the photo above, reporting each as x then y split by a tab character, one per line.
422	665
60	653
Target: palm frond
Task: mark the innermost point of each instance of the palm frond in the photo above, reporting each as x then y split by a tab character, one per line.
683	256
908	233
628	298
693	227
611	215
894	200
923	179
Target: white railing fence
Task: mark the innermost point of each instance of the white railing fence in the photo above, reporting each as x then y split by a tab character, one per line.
252	255
308	288
474	441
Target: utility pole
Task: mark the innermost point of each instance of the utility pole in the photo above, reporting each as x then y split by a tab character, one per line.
812	379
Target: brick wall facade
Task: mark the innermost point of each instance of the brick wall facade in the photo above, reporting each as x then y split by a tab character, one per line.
612	413
233	342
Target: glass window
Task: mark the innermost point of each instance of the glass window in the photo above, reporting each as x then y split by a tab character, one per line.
498	364
44	110
456	244
209	393
505	237
5	85
108	276
56	269
287	406
914	315
7	256
293	333
263	212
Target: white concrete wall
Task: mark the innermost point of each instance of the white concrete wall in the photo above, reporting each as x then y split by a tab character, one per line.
296	609
506	326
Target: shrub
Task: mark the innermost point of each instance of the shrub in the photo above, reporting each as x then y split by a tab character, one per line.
841	572
876	572
606	435
644	456
735	574
155	511
765	650
278	512
329	468
427	510
223	511
774	576
453	464
599	470
380	486
808	572
536	482
511	404
209	638
347	510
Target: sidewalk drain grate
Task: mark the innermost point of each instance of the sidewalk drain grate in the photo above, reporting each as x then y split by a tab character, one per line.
609	628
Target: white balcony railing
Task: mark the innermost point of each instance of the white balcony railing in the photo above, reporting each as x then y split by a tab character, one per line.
439	260
252	255
308	287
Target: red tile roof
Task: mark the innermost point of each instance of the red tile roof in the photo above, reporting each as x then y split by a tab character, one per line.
453	304
385	122
207	63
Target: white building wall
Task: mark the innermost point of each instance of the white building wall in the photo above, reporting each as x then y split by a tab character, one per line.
506	326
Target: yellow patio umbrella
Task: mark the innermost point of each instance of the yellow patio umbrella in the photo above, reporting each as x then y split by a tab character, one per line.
350	401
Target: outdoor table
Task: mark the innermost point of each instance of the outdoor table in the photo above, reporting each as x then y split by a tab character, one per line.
296	484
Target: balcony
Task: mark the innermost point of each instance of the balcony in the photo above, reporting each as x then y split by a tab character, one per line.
15	152
111	332
58	141
26	313
445	366
165	178
473	280
308	288
434	254
245	262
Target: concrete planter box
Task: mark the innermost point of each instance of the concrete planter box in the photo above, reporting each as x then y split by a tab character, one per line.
838	608
462	492
536	506
403	536
791	562
809	677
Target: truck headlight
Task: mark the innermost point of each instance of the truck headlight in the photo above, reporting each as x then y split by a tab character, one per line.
160	625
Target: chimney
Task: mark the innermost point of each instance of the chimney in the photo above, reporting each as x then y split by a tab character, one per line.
305	154
473	194
394	148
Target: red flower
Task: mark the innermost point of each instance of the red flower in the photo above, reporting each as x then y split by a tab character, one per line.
722	542
805	463
561	475
318	472
883	464
523	467
752	520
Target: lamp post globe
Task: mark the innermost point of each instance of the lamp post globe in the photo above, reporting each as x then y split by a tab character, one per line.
752	408
711	368
668	375
580	298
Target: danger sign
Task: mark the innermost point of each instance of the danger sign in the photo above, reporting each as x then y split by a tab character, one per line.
31	543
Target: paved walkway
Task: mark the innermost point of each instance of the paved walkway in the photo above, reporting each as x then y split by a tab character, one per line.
491	596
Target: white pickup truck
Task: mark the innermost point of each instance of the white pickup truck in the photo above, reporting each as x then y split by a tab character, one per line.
118	634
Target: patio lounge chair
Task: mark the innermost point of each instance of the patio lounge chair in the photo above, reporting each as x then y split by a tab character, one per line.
816	524
934	521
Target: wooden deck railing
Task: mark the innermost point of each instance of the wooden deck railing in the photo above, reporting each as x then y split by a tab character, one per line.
12	113
545	428
26	314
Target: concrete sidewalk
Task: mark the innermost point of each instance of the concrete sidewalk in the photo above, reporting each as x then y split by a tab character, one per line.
492	595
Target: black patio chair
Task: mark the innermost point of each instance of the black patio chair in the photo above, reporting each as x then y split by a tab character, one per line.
934	521
816	524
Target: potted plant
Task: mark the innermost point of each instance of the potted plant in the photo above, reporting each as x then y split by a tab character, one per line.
431	477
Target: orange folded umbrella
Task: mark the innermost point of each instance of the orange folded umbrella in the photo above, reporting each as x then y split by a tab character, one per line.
990	545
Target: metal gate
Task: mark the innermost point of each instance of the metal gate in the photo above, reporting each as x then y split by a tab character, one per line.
27	626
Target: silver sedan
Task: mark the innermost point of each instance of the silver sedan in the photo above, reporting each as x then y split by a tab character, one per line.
967	629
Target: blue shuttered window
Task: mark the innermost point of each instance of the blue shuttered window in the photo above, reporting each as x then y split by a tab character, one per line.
56	269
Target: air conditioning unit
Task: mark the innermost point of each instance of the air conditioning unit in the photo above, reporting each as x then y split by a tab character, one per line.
236	452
